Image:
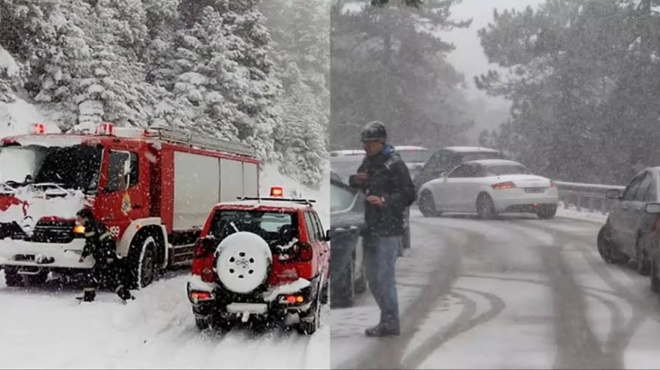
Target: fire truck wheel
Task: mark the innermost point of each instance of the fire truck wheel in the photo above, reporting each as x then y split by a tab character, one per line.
12	277
142	260
244	261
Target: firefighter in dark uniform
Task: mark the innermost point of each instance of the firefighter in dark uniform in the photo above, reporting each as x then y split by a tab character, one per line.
108	268
385	180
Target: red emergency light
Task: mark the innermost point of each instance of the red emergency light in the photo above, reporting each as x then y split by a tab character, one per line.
105	128
38	128
276	192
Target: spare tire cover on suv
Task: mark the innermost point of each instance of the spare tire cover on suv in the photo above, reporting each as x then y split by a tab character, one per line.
243	262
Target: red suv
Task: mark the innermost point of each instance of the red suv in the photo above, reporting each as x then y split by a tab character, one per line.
261	259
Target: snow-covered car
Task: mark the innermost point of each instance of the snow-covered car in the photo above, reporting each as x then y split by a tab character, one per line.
414	157
489	187
346	264
265	259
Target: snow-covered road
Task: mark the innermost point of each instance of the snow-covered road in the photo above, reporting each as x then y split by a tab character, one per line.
512	293
47	328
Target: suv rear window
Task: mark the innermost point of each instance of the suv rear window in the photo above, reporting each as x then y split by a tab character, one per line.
274	227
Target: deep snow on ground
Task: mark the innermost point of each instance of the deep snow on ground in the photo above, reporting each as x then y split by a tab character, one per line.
157	330
47	328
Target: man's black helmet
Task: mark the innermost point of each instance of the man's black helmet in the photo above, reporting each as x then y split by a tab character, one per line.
374	130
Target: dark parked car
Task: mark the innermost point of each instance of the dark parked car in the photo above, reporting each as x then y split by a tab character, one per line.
446	159
626	235
346	221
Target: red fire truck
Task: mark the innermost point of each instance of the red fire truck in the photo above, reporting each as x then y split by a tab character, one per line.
153	188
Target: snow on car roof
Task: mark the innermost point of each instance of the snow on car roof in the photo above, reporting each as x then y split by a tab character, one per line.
462	149
409	147
264	203
48	140
487	162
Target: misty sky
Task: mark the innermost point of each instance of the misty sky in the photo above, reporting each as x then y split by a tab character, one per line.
468	56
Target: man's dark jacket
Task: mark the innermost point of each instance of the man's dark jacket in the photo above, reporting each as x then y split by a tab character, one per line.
99	243
388	178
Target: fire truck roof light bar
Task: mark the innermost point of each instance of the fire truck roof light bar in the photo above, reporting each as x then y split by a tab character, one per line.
189	138
304	201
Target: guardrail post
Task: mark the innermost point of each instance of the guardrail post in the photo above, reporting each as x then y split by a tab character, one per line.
591	204
603	206
578	203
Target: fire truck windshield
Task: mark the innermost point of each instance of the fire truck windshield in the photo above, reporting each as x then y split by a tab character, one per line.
73	167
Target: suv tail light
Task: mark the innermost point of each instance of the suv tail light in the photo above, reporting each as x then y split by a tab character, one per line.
504	185
305	252
300	252
203	259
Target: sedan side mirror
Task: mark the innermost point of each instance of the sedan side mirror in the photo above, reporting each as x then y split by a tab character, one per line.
327	236
444	175
652	208
613	194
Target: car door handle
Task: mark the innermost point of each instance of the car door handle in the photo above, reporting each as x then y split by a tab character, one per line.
137	206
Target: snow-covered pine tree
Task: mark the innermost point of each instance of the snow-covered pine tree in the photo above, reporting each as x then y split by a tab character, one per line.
219	65
25	31
301	51
63	62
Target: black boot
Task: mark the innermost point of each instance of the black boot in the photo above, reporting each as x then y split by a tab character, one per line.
381	330
124	294
88	296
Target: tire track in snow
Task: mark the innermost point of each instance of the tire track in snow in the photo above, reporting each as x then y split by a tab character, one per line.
643	307
388	352
463	323
577	344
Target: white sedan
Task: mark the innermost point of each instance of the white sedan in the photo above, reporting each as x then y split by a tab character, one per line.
489	187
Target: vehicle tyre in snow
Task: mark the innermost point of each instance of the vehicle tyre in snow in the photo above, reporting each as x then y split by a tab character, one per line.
244	262
606	248
142	261
37	279
546	211
312	321
486	207
343	286
406	237
427	204
361	283
642	263
325	294
12	277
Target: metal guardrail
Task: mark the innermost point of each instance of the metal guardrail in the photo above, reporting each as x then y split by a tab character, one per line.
589	196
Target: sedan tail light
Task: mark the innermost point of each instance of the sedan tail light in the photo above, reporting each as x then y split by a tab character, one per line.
504	185
553	184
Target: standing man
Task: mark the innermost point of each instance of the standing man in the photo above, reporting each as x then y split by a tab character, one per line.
385	180
100	244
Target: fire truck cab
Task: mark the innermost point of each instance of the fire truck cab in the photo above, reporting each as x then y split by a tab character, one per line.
152	188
